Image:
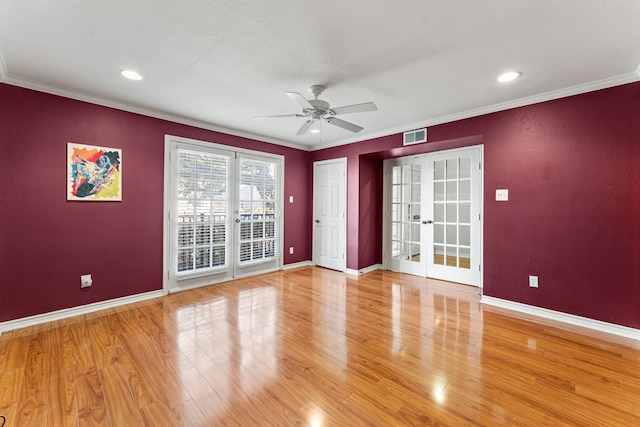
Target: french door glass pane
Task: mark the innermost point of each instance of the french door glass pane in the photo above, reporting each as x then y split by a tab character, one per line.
406	213
257	210
452	212
201	203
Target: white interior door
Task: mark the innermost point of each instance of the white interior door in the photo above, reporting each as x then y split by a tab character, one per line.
329	213
222	213
404	232
454	214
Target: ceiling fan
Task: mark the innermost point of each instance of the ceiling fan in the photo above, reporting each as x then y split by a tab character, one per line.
319	110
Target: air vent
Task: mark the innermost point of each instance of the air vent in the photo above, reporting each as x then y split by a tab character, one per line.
415	136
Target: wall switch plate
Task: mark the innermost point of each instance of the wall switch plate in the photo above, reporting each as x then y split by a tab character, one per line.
502	195
85	281
290	199
533	281
291	250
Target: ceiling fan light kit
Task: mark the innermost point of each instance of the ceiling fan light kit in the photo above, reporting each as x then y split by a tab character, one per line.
318	110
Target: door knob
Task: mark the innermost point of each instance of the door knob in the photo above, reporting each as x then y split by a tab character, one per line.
427	222
317	221
237	219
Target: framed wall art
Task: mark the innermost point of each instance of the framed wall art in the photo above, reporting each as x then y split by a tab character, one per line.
94	173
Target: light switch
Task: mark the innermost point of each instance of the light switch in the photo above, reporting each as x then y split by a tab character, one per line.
290	199
502	195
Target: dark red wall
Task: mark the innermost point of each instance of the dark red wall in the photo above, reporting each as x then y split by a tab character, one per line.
572	167
46	242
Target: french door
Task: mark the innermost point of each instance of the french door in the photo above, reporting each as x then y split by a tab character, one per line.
405	247
433	223
222	213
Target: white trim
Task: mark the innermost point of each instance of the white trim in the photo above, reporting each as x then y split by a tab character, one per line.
529	100
597	325
365	270
297	265
3	69
150	113
548	96
216	146
76	311
216	282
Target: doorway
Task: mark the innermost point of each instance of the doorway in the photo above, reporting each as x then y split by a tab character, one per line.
432	218
222	213
329	213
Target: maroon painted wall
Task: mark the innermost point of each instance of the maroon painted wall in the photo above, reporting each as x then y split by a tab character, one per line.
370	210
46	242
572	167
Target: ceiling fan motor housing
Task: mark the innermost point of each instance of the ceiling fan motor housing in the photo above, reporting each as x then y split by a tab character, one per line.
319	106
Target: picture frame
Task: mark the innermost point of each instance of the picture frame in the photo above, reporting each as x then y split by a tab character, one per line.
94	173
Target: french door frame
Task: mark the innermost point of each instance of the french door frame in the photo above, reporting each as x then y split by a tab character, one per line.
171	282
427	201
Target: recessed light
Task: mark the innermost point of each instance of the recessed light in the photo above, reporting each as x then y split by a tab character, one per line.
507	77
130	74
315	131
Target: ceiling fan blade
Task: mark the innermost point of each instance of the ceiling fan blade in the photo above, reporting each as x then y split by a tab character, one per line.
344	125
278	116
355	108
299	99
305	127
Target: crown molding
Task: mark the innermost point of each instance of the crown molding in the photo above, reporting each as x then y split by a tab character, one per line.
146	112
530	100
521	102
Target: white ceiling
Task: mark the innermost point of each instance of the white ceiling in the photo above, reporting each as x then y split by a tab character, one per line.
218	63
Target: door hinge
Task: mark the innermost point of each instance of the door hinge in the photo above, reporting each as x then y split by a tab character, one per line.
480	166
479	267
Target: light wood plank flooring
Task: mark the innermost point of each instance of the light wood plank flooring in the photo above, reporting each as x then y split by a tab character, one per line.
314	347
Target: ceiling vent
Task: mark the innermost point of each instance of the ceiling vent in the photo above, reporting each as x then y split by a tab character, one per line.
415	136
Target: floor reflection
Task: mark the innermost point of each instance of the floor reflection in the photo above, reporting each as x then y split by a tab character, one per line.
324	348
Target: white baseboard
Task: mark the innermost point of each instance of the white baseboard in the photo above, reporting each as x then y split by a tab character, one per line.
24	322
585	322
297	265
365	270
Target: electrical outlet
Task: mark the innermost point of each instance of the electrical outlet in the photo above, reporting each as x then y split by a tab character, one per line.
533	281
85	281
291	250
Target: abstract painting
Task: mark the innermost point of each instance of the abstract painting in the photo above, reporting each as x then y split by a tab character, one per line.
94	173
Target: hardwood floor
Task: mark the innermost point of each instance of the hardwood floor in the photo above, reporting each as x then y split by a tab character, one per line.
313	347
